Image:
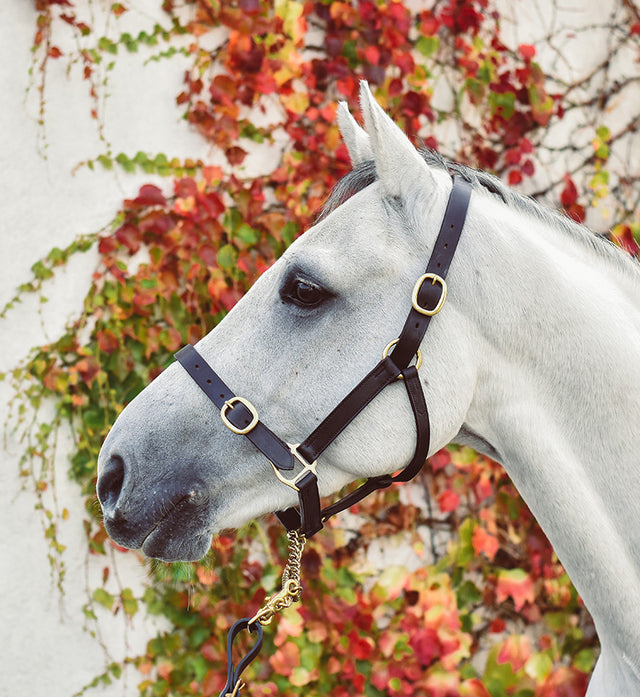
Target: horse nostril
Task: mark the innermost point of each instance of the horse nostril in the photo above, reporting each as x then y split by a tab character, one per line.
110	483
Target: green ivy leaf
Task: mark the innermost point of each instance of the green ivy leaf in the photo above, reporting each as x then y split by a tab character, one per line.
129	602
585	660
428	45
227	256
101	596
247	234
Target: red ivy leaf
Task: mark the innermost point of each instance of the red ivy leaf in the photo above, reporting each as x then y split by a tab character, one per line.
527	51
372	54
129	235
528	168
235	155
569	195
513	156
360	647
515	177
440	460
564	682
150	195
448	501
497	626
622	235
107	245
88	369
569	198
425	645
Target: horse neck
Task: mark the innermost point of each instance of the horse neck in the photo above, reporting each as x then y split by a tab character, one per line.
558	398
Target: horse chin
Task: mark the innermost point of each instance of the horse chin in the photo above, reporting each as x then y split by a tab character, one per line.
159	545
179	535
179	530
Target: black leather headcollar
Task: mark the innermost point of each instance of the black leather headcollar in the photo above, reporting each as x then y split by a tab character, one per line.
241	417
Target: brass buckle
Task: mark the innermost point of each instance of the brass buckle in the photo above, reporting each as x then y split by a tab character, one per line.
229	405
416	289
391	344
307	467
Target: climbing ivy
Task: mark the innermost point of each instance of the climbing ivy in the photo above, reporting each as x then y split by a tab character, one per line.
490	611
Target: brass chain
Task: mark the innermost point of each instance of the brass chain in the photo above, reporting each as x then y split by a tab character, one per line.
291	590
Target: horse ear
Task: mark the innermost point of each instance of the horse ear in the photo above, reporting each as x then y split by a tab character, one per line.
399	166
354	137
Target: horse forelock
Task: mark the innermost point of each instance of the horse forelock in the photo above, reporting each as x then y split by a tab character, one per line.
364	174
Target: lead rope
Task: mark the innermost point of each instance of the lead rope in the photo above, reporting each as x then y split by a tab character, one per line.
289	593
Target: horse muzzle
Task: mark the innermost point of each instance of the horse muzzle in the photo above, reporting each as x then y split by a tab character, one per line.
167	519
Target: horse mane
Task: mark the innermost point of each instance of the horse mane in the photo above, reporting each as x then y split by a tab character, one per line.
364	174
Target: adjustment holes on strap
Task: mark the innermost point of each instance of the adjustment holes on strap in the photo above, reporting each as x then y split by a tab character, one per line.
208	381
196	365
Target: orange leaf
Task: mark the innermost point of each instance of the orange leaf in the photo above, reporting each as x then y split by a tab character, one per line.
285	659
108	342
484	543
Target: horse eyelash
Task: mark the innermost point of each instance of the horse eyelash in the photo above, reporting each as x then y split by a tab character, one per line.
288	287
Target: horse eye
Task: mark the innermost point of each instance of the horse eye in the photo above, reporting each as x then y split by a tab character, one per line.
306	294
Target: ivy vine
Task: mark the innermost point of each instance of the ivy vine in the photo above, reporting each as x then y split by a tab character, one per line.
491	611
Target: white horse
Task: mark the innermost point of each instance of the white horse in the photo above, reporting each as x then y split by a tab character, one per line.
533	361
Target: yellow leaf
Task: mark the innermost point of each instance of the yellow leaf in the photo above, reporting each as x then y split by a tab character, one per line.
284	74
292	20
297	102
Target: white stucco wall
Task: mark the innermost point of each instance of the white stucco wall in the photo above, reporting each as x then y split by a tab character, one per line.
43	648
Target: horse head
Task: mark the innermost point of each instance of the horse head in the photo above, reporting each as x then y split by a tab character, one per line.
171	474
